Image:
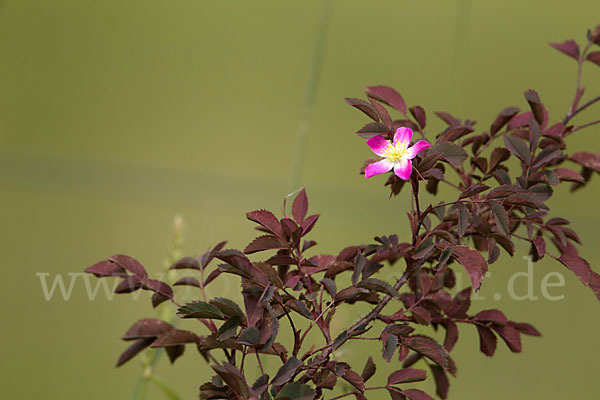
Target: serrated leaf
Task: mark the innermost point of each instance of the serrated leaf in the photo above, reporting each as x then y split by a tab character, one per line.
473	262
364	106
369	369
199	309
406	375
389	347
569	47
147	328
300	207
451	152
387	95
378	286
296	391
249	336
229	328
501	217
463	218
518	147
286	371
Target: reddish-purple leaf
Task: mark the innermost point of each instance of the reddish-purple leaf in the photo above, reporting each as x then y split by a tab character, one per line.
511	337
430	349
186	263
416	394
365	107
128	285
540	246
525	328
537	108
233	378
262	243
518	147
501	217
266	219
286	371
188	281
569	47
442	383
473	190
158	299
300	207
580	267
499	155
447	118
387	95
130	264
354	379
451	335
159	287
373	129
147	328
421	315
495	316
588	160
502	118
175	337
594	56
419	113
566	174
106	268
473	262
383	113
406	375
134	349
487	340
174	352
369	369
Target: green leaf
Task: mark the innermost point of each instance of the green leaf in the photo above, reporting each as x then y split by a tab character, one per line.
463	218
200	309
378	286
249	336
340	339
501	217
296	391
286	371
228	307
518	147
229	328
451	152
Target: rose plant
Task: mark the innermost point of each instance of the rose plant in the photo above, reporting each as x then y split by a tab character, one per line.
502	177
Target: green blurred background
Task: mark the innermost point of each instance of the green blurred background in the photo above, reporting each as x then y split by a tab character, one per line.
116	116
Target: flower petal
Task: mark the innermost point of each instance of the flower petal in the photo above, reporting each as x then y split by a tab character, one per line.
378	144
417	148
403	136
403	168
377	168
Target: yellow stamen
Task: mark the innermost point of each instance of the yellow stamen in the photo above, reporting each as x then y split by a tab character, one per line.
397	152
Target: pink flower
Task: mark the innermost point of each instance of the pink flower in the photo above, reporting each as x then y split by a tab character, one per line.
397	155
